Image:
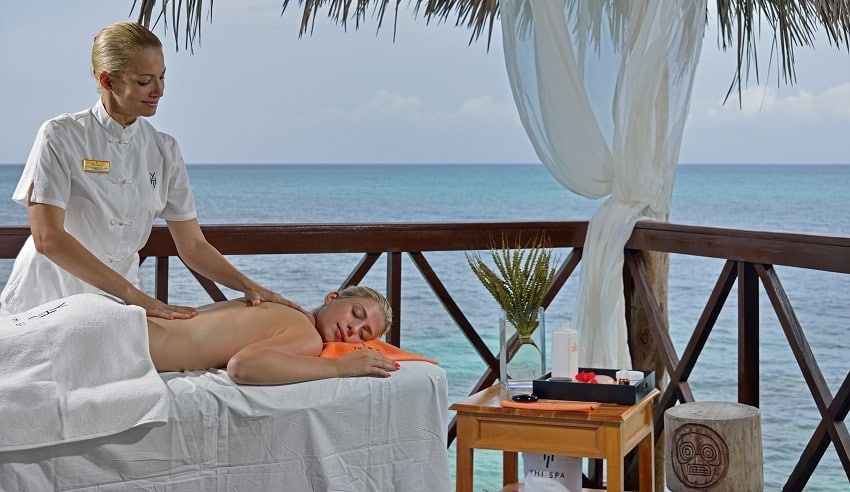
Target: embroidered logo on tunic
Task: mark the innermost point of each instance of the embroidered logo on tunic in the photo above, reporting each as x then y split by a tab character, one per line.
153	179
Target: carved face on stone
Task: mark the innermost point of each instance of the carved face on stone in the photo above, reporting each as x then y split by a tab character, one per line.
700	456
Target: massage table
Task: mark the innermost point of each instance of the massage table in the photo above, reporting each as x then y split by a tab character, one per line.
198	431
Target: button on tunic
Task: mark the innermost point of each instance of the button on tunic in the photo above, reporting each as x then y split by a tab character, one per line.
112	182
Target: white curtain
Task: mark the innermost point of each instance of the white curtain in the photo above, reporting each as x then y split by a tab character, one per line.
603	88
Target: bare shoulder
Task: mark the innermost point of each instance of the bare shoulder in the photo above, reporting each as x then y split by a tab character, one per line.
294	332
289	317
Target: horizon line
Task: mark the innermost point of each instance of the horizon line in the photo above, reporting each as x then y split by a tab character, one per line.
474	164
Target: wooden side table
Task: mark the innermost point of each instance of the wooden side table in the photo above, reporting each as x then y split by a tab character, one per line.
608	433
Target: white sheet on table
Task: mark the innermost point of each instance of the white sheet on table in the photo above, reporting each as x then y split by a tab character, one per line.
75	369
352	435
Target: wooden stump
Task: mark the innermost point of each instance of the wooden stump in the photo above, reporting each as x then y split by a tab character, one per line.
713	446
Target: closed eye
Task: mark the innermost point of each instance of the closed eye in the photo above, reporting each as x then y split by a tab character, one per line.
360	313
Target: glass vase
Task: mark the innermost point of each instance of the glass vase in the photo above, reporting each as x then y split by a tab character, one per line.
522	358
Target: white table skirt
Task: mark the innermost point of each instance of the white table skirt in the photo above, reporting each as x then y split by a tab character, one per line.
353	434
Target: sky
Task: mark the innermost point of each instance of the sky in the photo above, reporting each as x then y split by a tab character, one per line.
254	92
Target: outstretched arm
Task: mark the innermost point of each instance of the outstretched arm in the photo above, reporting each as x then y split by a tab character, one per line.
47	223
202	257
293	356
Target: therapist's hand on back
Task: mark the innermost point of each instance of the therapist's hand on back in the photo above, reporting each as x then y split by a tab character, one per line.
155	308
256	294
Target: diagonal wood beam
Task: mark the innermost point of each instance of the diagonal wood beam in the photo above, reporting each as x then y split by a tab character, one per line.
817	445
796	338
806	360
454	311
657	321
209	286
562	275
636	267
360	270
707	320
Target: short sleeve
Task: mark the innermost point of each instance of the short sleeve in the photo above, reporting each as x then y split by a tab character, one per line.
49	175
180	203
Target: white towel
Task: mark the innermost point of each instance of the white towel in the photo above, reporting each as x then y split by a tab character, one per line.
75	369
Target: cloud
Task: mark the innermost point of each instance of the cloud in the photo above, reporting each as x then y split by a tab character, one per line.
484	107
767	103
387	104
838	100
770	126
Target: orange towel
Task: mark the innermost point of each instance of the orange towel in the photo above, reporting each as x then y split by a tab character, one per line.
561	405
335	349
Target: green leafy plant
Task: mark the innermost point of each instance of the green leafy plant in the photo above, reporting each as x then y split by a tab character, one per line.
519	282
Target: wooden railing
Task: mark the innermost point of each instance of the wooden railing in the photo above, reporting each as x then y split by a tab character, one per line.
750	259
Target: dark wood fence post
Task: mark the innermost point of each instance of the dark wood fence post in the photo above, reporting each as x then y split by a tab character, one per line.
748	334
394	296
161	282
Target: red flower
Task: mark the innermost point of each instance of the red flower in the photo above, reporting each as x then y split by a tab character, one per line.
586	377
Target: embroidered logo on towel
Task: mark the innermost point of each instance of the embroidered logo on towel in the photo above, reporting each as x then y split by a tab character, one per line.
94	166
47	312
153	179
21	322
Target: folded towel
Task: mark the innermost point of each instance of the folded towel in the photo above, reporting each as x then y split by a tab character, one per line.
75	369
390	351
561	405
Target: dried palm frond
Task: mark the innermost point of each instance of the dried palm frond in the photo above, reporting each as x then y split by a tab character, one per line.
793	23
192	27
522	276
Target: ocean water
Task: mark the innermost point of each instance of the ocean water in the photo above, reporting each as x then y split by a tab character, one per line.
809	199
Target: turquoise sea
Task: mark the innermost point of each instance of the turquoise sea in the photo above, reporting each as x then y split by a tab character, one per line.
795	198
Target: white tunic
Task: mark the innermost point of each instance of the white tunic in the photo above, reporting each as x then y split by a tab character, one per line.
112	183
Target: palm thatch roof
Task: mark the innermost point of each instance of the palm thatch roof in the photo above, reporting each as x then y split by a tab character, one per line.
792	23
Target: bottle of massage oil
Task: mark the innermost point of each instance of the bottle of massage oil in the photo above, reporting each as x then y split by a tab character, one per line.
564	352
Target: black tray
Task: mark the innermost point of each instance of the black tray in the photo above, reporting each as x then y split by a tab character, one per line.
624	394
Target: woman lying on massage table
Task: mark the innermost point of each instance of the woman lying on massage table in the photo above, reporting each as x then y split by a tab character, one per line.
273	343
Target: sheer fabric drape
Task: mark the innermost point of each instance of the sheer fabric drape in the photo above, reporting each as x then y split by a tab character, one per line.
603	88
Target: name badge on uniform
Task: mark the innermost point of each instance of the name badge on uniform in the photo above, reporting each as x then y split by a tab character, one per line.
93	166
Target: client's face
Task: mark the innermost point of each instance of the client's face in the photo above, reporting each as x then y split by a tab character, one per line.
350	319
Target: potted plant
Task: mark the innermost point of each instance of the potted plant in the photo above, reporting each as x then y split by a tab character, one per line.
521	277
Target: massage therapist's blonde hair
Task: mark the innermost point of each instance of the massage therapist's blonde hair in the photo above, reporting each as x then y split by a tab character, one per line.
116	46
370	293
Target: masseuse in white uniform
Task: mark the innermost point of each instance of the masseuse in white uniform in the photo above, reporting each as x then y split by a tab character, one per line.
95	181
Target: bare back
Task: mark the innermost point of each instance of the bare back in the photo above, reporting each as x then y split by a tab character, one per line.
222	329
